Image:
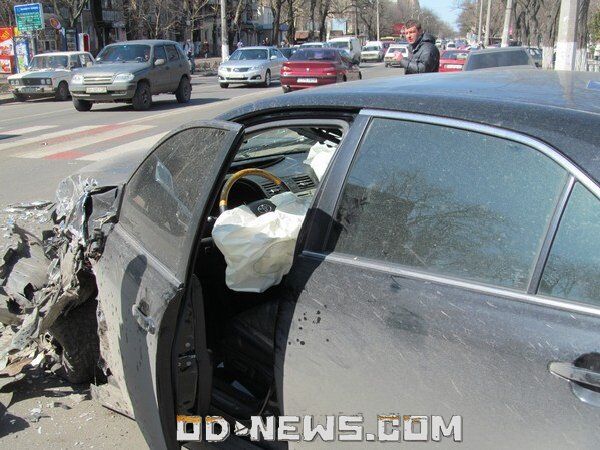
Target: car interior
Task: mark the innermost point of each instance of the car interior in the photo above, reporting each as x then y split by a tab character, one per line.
240	326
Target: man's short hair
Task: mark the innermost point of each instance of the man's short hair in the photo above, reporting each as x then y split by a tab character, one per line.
412	23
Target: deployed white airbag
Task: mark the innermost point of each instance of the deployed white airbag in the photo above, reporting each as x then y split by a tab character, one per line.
319	157
259	250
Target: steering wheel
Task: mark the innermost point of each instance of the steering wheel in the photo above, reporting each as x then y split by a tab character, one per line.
258	207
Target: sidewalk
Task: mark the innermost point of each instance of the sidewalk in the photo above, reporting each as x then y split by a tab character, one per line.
205	67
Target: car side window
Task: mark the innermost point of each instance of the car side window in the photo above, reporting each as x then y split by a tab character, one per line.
74	62
172	52
572	271
160	197
447	201
159	53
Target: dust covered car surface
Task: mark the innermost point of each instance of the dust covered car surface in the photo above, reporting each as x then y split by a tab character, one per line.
406	246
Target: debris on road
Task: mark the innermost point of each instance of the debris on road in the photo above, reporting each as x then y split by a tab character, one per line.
47	286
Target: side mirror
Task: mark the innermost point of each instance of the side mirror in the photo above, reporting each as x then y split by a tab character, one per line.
89	64
159	62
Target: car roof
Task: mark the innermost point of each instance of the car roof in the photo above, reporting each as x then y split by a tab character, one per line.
498	50
256	47
145	42
61	53
561	108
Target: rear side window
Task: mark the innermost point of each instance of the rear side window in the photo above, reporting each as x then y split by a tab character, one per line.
159	53
160	198
573	268
447	201
172	53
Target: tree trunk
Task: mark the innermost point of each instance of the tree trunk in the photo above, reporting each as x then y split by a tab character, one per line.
313	7
291	32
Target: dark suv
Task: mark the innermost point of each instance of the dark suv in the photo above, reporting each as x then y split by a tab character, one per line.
132	72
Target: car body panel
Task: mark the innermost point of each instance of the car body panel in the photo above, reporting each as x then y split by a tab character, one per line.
137	291
467	349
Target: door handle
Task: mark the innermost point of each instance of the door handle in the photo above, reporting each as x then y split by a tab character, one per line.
576	374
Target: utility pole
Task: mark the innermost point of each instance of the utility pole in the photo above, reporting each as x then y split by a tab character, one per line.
566	40
224	43
507	19
378	20
480	21
487	24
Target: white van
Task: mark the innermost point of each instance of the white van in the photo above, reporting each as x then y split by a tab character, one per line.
349	43
372	51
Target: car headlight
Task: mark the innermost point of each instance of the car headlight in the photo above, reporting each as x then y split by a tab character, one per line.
77	79
14	82
124	77
256	68
48	80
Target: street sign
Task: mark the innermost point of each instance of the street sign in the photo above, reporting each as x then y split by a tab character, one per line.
29	17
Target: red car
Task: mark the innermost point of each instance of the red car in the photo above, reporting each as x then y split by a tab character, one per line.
310	67
453	60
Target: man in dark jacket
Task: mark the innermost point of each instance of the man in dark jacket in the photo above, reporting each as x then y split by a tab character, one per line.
425	55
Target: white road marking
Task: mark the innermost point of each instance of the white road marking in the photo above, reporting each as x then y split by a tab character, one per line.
147	142
79	143
41	138
21	131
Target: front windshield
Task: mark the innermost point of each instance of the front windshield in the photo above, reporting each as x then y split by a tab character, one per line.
124	53
49	62
249	54
314	54
339	44
279	141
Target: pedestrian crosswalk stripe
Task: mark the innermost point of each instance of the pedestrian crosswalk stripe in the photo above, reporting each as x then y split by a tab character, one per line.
140	144
44	137
84	141
5	134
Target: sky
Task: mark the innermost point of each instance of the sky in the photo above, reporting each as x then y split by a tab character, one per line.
444	8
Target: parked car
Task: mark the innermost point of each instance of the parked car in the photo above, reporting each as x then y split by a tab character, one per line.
132	72
372	51
449	237
49	75
453	60
310	67
391	56
349	43
498	57
251	65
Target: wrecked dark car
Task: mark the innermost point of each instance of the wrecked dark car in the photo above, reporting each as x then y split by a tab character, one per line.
391	246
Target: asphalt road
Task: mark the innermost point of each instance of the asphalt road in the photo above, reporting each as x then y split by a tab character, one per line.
43	141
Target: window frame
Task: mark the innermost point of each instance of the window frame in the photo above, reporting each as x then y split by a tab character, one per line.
329	201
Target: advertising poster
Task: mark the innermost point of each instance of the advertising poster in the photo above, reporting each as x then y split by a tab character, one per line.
7	51
22	54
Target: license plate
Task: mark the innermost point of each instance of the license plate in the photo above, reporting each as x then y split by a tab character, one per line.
307	80
453	66
96	90
30	89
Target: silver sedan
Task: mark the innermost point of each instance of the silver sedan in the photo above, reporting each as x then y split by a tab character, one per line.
251	65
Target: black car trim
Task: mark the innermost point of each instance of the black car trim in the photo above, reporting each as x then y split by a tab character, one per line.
544	251
396	270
